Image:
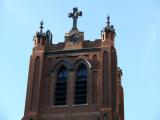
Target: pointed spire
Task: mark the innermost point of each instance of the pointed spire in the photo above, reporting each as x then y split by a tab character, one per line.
109	27
41	26
108	20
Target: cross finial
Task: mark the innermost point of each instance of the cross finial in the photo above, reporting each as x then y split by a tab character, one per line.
41	26
74	16
108	20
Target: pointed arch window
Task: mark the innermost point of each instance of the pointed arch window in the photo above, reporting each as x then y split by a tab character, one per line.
61	86
81	85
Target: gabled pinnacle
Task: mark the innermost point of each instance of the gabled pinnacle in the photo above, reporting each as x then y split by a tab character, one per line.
108	26
40	33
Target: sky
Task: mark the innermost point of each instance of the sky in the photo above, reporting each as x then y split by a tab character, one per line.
137	24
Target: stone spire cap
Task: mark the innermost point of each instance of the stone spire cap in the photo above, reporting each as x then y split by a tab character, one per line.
108	26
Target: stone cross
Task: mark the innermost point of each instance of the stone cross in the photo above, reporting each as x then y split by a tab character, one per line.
74	16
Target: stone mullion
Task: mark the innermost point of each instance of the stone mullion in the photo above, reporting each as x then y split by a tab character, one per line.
71	88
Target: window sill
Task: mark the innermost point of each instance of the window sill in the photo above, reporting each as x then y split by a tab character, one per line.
80	105
59	106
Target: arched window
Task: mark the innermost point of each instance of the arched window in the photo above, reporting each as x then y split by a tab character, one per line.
61	86
81	85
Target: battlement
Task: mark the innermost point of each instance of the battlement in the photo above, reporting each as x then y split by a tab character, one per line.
86	44
92	44
58	46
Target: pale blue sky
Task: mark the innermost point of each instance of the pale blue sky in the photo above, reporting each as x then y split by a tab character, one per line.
137	24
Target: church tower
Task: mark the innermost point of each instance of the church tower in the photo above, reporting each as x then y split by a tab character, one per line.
76	79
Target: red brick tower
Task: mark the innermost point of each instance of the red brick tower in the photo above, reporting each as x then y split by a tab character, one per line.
76	79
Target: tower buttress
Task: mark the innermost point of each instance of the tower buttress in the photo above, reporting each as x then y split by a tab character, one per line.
42	41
